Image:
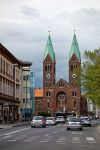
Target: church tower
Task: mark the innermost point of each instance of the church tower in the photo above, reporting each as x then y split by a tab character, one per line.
74	62
49	76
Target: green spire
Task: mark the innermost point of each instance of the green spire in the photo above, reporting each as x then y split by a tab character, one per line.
49	49
74	49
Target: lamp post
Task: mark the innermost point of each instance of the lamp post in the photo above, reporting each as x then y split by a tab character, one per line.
26	79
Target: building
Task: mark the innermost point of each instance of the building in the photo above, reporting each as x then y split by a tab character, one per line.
26	103
16	87
61	96
9	85
38	100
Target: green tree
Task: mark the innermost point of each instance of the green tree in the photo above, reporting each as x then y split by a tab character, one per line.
90	75
46	114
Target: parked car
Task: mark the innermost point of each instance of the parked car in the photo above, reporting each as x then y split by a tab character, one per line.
86	121
38	121
50	121
74	123
60	119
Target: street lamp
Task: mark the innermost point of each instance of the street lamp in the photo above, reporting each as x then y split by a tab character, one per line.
26	79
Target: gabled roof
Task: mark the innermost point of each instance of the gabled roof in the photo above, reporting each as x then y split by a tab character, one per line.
49	49
63	81
74	48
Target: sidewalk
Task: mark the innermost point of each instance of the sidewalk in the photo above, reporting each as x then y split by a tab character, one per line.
10	125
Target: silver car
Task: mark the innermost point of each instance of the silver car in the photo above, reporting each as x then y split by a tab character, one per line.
60	119
74	123
38	121
50	121
86	121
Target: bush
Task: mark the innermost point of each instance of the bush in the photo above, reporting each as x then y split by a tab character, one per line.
46	114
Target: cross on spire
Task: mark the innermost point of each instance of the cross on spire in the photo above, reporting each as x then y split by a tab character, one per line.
74	30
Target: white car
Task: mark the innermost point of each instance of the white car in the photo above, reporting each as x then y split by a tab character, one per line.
60	119
50	121
38	121
74	123
86	121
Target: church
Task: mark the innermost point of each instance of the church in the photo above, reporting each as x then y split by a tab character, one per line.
60	97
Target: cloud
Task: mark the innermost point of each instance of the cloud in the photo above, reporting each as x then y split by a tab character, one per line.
30	11
24	32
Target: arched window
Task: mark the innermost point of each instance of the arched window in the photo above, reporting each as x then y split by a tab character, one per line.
48	93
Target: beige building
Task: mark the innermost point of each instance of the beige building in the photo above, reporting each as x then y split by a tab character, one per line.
12	82
9	85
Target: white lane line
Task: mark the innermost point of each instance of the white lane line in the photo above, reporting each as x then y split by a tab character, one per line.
48	135
60	141
90	140
44	141
55	131
27	140
76	132
16	131
75	140
11	140
6	137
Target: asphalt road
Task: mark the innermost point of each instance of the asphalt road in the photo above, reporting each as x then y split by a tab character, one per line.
49	138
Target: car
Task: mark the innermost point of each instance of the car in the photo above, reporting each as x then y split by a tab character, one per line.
38	121
50	121
74	123
86	121
60	119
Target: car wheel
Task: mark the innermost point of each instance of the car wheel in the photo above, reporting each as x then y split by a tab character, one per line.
31	126
68	128
81	129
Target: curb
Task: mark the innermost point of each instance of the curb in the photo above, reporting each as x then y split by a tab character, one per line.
21	124
13	125
98	127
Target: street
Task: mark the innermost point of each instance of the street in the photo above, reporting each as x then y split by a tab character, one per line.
51	138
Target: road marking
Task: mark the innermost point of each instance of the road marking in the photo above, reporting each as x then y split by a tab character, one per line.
59	141
28	140
90	140
44	141
75	140
8	136
55	131
48	135
73	132
11	140
16	131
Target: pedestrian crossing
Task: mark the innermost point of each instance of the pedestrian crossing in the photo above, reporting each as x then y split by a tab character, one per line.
49	138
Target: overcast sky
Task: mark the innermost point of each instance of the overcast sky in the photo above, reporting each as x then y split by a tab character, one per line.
24	26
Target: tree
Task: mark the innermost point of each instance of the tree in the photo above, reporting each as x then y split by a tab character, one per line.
45	114
90	75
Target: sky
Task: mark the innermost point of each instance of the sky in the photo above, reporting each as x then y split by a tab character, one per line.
24	26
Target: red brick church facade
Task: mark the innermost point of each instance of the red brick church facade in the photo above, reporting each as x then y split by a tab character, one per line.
61	96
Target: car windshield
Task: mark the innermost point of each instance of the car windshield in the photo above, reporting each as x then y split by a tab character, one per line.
49	118
84	118
59	116
74	120
38	118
